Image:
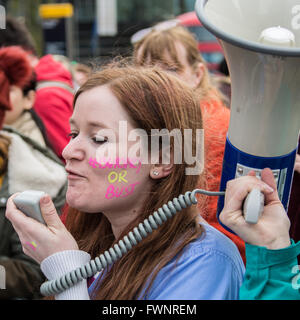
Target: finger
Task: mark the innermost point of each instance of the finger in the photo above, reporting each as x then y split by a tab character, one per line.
18	218
13	214
10	202
252	173
238	189
49	212
268	177
297	163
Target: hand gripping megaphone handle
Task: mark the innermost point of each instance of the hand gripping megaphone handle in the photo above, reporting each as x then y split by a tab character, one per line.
253	206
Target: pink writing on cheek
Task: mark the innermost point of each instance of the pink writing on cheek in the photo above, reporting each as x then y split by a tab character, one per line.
112	191
136	166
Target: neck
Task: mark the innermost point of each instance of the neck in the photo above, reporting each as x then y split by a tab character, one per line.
119	222
120	218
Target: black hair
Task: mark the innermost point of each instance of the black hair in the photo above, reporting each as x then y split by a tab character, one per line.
31	85
223	67
16	34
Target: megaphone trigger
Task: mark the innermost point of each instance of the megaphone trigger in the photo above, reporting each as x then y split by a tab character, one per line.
253	206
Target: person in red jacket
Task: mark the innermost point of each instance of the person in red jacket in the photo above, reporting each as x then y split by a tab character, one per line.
175	49
54	98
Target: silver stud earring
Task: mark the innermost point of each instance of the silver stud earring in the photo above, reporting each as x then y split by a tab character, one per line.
156	173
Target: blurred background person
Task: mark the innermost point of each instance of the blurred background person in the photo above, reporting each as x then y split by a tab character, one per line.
81	72
175	50
25	163
54	96
22	117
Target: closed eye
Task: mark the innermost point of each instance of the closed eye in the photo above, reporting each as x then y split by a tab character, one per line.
96	139
100	139
72	135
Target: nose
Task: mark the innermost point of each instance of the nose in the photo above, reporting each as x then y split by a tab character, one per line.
74	150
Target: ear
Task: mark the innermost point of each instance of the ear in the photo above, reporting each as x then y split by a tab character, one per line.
165	165
29	100
199	73
159	171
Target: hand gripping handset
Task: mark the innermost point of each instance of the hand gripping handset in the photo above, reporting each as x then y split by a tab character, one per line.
29	203
253	206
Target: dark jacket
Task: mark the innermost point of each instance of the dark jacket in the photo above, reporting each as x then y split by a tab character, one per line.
294	206
30	166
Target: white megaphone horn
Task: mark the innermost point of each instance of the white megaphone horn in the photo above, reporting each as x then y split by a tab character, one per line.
261	42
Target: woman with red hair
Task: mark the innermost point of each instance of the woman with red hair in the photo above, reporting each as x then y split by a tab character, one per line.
176	50
180	256
25	163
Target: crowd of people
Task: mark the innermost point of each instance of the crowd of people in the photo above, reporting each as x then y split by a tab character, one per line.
56	115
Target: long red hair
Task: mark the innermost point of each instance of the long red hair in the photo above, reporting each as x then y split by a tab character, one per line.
154	100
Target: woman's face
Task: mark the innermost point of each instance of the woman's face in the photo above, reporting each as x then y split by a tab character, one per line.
19	103
112	189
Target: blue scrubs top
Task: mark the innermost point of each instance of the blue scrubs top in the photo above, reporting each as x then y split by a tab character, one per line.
209	268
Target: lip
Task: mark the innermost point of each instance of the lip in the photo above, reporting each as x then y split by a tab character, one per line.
73	174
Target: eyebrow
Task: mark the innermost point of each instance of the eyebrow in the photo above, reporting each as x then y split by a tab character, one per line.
90	124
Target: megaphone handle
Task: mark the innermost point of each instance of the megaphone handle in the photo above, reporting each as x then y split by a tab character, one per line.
253	206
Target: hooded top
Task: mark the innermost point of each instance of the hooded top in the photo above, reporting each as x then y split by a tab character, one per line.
54	104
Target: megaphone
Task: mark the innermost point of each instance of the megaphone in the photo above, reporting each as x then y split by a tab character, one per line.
261	42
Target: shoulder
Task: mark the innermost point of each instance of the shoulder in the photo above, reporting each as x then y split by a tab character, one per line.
215	245
208	268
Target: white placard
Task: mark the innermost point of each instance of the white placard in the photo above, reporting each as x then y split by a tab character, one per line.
2	277
107	17
2	17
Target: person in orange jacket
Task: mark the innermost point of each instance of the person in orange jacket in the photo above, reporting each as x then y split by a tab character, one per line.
175	49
